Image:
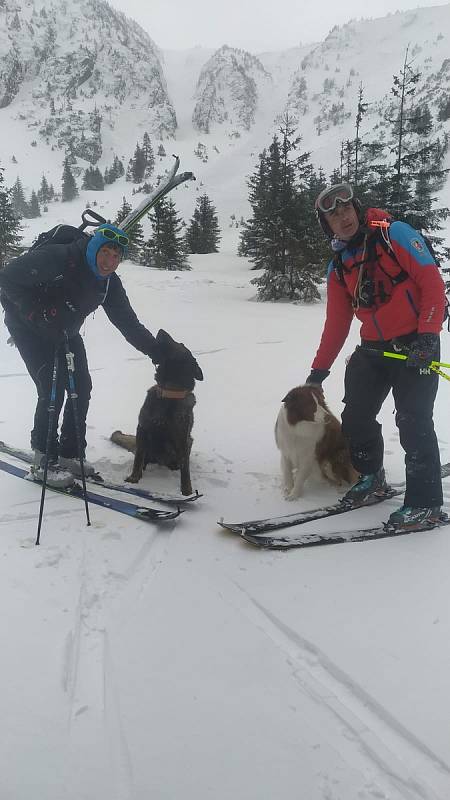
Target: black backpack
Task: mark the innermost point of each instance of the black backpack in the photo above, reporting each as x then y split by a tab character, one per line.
65	234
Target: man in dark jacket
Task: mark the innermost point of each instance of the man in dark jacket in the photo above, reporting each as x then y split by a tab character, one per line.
49	291
384	274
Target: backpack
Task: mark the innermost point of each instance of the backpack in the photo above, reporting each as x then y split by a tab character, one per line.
381	221
66	234
60	234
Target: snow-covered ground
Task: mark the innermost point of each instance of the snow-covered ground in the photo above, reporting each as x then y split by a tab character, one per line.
178	662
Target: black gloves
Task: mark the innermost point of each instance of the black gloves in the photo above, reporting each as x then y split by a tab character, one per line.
423	350
317	376
51	321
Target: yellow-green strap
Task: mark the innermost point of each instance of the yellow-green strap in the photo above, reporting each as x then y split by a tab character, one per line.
434	365
402	356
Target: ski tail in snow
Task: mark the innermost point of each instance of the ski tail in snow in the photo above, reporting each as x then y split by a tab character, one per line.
258	526
382	531
97	480
144	513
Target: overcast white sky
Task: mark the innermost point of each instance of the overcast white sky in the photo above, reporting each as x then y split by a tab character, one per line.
254	25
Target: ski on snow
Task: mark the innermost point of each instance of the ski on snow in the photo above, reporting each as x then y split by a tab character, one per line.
143	513
170	182
342	537
260	526
97	480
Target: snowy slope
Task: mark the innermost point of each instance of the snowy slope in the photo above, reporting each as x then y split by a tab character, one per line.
165	662
177	662
365	51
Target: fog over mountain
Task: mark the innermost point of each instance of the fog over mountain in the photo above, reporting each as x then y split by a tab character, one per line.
81	77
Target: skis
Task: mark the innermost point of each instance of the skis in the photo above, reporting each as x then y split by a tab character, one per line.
97	480
130	509
358	535
172	180
258	526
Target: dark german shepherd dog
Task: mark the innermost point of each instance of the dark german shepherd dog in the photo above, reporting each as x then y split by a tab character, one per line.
165	421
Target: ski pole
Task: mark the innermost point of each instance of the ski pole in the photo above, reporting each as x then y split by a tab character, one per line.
51	422
434	365
402	356
70	362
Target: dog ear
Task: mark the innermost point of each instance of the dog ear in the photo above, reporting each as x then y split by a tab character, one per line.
198	374
162	337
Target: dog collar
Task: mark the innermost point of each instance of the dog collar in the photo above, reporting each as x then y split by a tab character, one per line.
173	394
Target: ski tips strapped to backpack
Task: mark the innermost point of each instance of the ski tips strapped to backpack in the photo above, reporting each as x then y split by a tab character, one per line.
65	234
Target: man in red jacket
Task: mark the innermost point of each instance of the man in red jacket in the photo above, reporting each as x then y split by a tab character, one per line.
385	276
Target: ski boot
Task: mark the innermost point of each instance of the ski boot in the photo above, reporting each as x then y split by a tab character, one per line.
57	477
367	490
72	465
410	518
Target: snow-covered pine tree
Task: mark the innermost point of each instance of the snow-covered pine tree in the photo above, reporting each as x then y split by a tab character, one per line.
19	202
93	179
33	206
138	165
203	232
69	188
406	185
118	167
44	194
290	251
136	234
148	155
9	225
166	249
254	230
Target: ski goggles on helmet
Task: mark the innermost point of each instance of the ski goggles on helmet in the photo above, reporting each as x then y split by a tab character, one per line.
329	198
114	236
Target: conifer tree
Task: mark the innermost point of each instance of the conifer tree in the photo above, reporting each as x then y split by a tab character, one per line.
118	167
9	225
136	235
44	194
19	202
253	229
33	206
203	232
284	236
69	188
148	156
165	249
138	165
93	179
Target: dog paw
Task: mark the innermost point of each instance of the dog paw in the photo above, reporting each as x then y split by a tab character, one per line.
293	495
132	479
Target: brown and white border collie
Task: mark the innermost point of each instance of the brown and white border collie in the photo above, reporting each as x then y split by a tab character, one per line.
308	436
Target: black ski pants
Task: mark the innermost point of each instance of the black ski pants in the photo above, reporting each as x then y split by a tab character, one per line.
368	380
38	355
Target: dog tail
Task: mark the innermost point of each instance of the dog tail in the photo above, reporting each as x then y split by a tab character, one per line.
124	440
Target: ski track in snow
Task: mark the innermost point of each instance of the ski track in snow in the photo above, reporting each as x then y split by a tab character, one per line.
395	764
87	677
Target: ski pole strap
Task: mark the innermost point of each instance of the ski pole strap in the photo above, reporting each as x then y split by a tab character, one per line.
434	365
402	356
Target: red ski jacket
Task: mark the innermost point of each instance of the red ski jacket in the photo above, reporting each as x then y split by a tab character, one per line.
408	296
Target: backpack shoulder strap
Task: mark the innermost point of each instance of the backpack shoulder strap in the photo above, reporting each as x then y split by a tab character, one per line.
338	267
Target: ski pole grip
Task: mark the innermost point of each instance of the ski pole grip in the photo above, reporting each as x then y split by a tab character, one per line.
91	219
